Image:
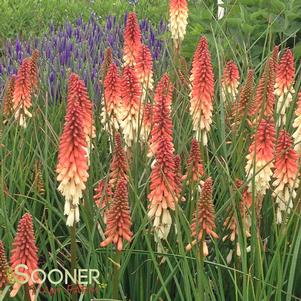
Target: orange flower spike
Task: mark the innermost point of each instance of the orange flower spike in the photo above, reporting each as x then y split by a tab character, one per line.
132	40
265	97
178	15
4	268
111	109
22	93
195	169
8	96
24	251
260	157
119	166
275	55
34	71
202	93
118	218
131	105
203	221
162	123
147	122
297	126
163	192
284	89
286	174
178	177
230	81
72	167
107	61
144	69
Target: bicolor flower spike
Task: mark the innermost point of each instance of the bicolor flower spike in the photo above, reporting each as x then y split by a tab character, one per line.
202	93
8	97
131	107
110	115
132	40
118	218
4	268
230	82
286	174
144	70
119	166
24	251
203	221
72	167
163	192
195	168
178	15
22	93
260	158
284	89
265	97
297	126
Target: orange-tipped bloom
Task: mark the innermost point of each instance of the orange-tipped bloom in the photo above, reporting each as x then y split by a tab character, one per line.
284	89
202	92
260	158
131	105
132	40
286	175
203	221
8	97
178	15
103	196
230	81
265	97
202	45
297	126
147	121
34	71
195	169
232	222
22	93
119	166
118	218
144	69
72	167
107	61
163	193
162	123
24	251
243	106
4	269
112	100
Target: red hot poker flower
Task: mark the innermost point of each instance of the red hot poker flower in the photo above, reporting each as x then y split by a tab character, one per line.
163	192
107	61
144	69
22	93
147	122
284	89
118	218
260	157
34	72
202	93
8	97
178	15
297	126
204	218
4	269
195	169
24	251
131	105
112	100
132	40
230	81
286	174
72	167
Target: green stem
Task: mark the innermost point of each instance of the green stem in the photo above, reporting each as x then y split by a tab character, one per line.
116	276
73	256
201	274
